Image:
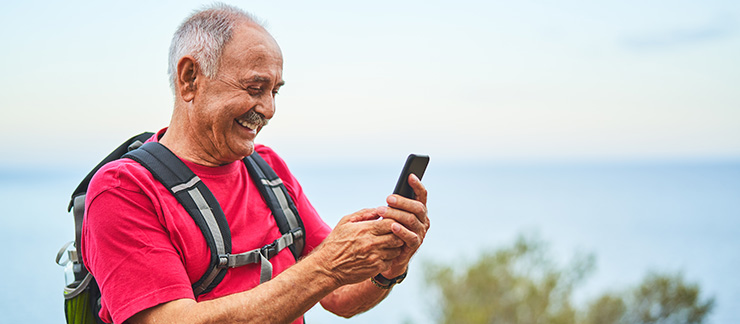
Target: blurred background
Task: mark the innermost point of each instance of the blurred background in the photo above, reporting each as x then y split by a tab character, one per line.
609	128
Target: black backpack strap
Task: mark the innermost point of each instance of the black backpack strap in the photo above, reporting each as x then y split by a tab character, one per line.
83	280
197	200
286	216
276	195
200	203
77	202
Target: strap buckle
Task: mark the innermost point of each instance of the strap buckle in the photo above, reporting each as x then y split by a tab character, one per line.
223	261
297	233
269	250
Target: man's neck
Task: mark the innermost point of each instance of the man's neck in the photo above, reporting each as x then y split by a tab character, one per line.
187	148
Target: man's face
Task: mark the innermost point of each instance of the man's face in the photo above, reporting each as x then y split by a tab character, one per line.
248	78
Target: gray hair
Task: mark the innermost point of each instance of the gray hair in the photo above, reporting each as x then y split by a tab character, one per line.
203	35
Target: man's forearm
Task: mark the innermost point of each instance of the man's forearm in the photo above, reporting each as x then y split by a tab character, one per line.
360	246
354	299
300	286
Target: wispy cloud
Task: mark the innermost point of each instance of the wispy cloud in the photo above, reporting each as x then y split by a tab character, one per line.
683	37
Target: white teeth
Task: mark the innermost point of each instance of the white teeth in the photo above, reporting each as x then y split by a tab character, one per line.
247	125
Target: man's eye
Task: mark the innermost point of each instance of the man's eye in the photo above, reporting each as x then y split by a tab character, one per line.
254	90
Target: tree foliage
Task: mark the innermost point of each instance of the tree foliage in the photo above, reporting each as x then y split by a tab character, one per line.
606	309
517	284
521	284
667	299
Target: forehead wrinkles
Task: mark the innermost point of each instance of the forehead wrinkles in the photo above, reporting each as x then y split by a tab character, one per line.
255	57
259	59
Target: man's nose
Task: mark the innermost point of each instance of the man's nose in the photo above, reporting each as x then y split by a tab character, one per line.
266	106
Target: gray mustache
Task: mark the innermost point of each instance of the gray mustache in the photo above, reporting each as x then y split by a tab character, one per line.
253	117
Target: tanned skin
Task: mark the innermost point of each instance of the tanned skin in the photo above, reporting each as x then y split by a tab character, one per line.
205	129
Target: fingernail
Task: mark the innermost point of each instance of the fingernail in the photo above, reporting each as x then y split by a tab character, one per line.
391	199
395	227
382	210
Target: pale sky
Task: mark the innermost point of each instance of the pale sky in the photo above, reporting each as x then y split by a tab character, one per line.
473	80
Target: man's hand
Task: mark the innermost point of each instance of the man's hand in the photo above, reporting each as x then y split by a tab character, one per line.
359	247
372	241
411	224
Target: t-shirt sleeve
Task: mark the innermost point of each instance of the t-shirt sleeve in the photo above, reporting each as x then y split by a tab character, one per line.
134	260
316	229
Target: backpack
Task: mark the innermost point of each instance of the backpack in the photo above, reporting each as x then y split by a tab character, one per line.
82	294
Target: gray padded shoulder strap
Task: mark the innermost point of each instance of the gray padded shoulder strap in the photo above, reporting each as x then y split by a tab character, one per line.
276	195
200	203
197	200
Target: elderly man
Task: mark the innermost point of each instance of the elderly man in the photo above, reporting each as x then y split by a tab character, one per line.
146	252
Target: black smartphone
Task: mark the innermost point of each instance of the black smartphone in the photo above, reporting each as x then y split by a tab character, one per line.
415	164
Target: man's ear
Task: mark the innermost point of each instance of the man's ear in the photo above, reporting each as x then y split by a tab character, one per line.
187	70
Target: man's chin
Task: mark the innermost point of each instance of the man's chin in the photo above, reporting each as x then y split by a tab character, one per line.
236	153
246	150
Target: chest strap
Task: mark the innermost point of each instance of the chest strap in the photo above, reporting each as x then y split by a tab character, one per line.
263	255
205	210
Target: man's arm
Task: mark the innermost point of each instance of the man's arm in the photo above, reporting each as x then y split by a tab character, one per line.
280	300
353	299
336	273
359	247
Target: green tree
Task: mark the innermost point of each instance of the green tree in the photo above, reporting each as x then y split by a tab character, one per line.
516	284
659	299
667	299
607	309
521	284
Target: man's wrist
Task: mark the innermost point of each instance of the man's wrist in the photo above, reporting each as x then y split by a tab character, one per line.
385	283
318	265
395	271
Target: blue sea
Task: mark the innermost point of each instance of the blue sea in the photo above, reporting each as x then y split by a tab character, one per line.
634	217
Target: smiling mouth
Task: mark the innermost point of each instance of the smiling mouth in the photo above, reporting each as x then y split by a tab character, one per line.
252	120
247	124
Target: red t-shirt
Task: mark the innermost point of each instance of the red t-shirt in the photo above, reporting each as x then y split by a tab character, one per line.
144	249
